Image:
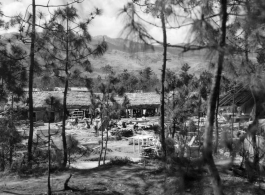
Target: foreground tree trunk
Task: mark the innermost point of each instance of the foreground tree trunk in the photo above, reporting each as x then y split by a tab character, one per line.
65	97
216	127
49	156
162	96
253	130
31	72
199	118
63	126
208	144
106	147
11	124
102	141
211	108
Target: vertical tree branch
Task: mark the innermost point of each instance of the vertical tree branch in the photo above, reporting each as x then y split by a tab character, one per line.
31	74
65	92
211	108
162	95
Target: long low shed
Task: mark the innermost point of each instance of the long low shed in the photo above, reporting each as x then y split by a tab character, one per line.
140	104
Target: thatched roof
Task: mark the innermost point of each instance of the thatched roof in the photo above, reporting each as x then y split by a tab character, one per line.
144	99
82	99
239	96
73	98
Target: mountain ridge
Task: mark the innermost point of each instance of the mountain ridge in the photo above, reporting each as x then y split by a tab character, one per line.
134	56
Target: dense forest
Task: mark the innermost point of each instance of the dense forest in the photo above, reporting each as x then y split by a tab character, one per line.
203	93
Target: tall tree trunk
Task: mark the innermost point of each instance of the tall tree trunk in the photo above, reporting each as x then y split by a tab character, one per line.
162	96
101	150
49	155
257	103
233	112
31	72
11	144
174	123
199	118
254	128
106	146
208	144
64	122
65	96
216	126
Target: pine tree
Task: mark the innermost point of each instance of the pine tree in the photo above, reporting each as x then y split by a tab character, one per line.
67	47
109	107
161	12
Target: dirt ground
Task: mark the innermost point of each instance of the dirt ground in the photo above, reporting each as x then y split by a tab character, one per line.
133	179
128	180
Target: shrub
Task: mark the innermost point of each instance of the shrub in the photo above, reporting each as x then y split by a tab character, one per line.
120	161
157	129
9	138
122	132
170	145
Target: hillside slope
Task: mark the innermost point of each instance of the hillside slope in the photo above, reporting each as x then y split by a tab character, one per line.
124	54
133	56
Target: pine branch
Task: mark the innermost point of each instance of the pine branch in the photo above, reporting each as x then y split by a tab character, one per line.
62	5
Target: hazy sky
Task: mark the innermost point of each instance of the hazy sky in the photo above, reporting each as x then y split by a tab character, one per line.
106	24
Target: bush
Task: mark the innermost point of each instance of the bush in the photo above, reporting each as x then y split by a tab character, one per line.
120	161
122	132
156	129
9	138
19	165
170	146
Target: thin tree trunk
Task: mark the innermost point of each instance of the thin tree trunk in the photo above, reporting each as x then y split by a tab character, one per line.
254	129
199	116
101	150
69	158
256	103
31	72
11	149
65	97
174	124
208	144
233	113
216	127
106	147
174	129
63	126
11	145
91	120
162	96
49	156
2	158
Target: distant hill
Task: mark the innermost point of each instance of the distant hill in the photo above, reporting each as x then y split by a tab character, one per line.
125	54
133	56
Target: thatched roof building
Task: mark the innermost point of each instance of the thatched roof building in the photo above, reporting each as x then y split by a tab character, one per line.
238	96
81	99
143	99
74	99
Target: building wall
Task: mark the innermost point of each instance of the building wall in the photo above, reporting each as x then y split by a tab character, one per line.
41	116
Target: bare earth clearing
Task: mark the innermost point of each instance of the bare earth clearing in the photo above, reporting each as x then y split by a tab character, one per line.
130	179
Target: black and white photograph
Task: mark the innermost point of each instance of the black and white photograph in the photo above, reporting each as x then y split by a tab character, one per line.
132	97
